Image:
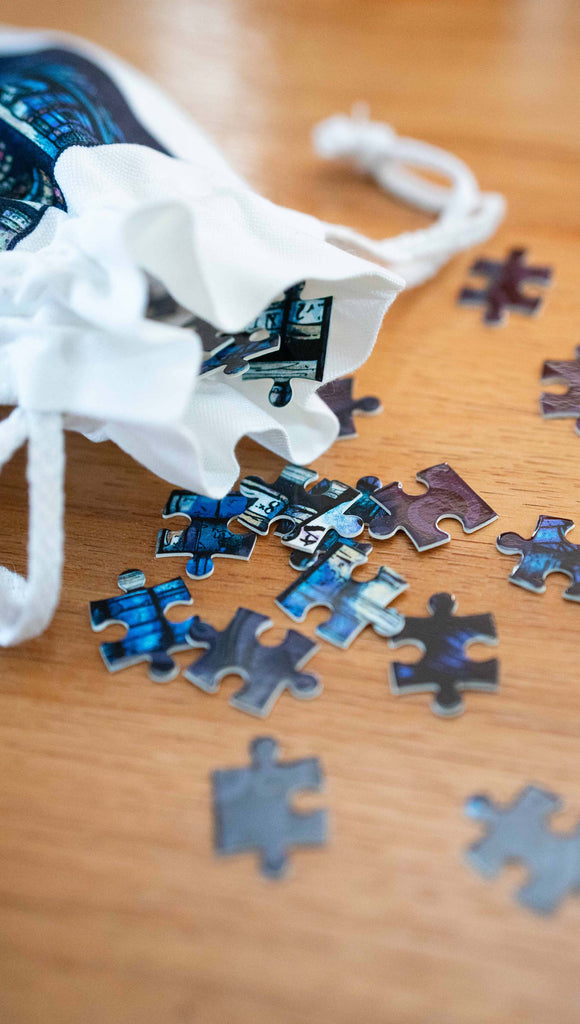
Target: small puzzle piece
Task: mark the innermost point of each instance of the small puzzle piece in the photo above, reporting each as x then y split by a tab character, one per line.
504	290
562	371
234	356
444	669
252	809
338	396
207	537
518	833
150	636
307	515
364	508
448	497
546	551
354	605
267	671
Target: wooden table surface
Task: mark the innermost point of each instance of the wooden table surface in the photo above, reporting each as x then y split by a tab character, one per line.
114	908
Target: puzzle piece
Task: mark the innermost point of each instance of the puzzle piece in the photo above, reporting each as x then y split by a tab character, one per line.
307	515
518	833
233	356
444	669
364	508
546	551
562	371
338	396
504	291
354	605
207	537
150	636
302	326
448	497
267	671
252	808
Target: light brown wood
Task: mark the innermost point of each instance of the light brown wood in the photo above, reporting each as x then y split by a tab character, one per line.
114	908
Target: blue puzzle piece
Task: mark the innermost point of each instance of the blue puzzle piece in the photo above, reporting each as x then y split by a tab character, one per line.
232	357
207	536
547	550
150	636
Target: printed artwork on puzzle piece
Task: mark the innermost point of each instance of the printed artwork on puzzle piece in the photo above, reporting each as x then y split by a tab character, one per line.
562	371
208	535
547	550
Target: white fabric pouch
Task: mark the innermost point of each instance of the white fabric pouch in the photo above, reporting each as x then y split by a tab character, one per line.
149	296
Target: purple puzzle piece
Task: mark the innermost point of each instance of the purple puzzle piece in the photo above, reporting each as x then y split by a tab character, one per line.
562	371
504	289
338	397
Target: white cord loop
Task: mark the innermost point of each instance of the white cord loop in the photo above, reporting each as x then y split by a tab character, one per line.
466	216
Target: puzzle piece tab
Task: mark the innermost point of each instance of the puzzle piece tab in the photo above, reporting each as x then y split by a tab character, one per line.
504	290
207	537
267	671
562	371
448	497
444	669
546	551
354	605
518	833
338	396
252	809
150	636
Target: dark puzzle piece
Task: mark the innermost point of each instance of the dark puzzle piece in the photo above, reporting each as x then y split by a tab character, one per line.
546	551
562	371
444	669
234	356
307	515
364	508
448	497
338	396
207	537
302	326
518	833
150	636
354	605
267	671
252	809
504	290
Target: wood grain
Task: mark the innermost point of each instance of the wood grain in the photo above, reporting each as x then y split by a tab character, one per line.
114	909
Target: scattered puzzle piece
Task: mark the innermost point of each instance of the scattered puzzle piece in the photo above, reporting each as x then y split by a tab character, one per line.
518	833
364	508
338	396
444	669
354	605
546	551
267	671
562	371
504	291
448	497
150	636
207	537
252	807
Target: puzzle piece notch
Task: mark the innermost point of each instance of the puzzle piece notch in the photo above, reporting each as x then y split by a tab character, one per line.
448	496
546	551
267	671
207	536
504	290
150	636
518	833
444	668
252	809
562	371
337	395
353	604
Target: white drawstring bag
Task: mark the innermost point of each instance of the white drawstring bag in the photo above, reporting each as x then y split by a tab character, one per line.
110	195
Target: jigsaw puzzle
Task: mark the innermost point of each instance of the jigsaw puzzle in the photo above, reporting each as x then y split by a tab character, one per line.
444	668
207	537
504	290
234	356
252	808
519	833
150	636
354	605
338	396
447	497
562	371
546	551
364	508
267	671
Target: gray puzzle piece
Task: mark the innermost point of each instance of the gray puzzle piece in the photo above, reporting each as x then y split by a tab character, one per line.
252	808
267	671
518	833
